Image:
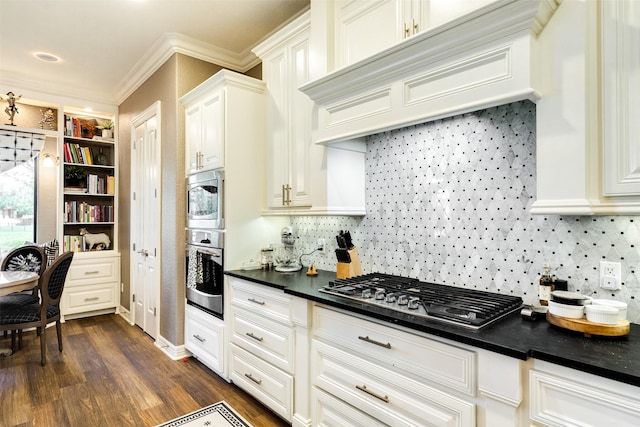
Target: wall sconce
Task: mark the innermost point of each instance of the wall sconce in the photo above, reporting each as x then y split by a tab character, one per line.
48	161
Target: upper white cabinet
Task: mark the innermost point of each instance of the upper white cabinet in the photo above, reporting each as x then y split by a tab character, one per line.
204	138
303	178
366	27
285	66
587	114
620	103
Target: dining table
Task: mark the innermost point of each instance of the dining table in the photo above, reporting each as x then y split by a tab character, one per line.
16	281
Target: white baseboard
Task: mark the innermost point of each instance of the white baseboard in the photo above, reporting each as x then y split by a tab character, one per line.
125	314
172	351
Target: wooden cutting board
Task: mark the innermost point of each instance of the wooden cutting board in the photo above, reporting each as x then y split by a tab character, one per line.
589	328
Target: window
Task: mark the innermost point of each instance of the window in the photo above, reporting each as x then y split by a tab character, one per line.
18	205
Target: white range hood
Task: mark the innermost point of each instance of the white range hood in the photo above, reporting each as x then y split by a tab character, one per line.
483	59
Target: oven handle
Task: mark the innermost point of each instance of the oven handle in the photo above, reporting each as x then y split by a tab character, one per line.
216	255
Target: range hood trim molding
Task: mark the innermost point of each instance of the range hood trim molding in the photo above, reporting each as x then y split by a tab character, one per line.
505	23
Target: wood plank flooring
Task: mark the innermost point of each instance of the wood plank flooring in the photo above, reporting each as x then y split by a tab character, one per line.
110	374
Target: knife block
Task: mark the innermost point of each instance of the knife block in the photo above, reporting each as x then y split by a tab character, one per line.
345	270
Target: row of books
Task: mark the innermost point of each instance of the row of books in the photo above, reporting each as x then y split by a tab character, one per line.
75	153
76	211
95	184
74	243
101	184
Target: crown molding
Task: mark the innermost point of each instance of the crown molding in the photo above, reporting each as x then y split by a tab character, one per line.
171	43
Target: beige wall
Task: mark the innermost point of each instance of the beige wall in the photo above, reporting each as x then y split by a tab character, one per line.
175	78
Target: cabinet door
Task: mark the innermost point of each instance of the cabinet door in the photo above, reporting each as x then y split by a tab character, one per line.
366	27
620	86
193	137
274	70
213	119
299	123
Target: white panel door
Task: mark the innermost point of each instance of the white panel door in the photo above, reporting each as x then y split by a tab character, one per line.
145	219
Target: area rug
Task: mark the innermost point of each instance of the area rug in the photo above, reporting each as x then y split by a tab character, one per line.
216	415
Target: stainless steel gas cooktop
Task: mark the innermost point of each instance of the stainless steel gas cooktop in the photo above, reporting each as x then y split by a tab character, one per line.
465	307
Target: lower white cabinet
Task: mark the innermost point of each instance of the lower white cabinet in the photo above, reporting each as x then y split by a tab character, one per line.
389	375
269	351
204	338
330	411
265	382
92	286
562	397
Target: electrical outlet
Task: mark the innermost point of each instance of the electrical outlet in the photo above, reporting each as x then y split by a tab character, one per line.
320	245
610	275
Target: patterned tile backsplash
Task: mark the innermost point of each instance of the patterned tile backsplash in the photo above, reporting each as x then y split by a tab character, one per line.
448	202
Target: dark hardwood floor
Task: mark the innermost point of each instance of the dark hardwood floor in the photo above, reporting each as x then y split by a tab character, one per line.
110	374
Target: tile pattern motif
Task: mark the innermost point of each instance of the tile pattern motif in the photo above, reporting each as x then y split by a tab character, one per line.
448	202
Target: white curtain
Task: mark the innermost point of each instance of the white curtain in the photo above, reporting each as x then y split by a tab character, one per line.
18	147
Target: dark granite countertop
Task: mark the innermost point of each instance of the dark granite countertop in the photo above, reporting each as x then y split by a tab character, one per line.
615	358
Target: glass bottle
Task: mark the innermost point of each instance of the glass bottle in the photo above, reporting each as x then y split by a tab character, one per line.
546	285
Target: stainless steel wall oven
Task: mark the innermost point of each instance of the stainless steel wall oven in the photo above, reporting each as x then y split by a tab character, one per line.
205	200
204	270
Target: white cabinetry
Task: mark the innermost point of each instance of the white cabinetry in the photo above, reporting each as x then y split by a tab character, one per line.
204	138
592	150
620	103
303	178
269	348
366	27
92	286
285	66
382	372
204	338
562	396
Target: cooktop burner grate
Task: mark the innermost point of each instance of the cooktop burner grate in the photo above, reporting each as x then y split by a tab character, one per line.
467	307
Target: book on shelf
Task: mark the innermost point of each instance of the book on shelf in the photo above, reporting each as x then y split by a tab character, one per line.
111	185
75	189
73	243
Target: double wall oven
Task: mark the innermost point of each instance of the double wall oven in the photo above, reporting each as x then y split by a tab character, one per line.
205	242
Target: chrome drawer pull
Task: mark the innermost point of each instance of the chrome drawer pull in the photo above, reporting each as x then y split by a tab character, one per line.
256	301
250	334
91	299
384	398
91	272
253	379
367	339
199	338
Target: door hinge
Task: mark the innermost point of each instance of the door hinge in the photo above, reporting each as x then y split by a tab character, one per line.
134	195
133	296
155	252
155	193
154	312
134	246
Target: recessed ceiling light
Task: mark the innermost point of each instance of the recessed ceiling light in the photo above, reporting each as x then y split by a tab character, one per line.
48	57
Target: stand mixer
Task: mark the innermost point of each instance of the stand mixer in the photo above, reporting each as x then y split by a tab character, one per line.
286	259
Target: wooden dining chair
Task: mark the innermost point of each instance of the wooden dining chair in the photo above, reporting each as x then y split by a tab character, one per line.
18	317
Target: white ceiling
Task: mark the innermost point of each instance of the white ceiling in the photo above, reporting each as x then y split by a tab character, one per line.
108	47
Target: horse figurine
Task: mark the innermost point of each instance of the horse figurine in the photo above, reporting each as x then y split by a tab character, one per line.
99	240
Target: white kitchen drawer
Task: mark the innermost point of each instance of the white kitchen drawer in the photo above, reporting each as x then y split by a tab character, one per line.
419	357
562	397
204	338
85	298
269	340
263	381
260	299
93	270
327	411
384	394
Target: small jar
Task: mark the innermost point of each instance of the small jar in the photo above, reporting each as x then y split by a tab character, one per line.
266	258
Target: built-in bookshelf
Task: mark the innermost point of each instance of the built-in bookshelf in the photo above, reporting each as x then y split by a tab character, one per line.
89	184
